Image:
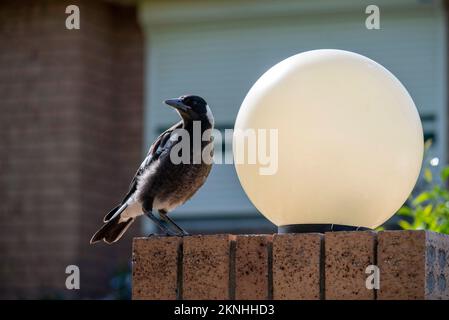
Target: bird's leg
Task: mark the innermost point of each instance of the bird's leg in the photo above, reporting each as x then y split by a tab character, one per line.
158	223
168	220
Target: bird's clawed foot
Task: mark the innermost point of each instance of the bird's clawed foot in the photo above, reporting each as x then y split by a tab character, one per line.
164	224
162	234
180	231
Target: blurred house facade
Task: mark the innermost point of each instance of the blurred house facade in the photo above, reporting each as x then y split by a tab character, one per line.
70	138
81	107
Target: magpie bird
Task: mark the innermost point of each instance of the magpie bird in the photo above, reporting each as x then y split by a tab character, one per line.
160	183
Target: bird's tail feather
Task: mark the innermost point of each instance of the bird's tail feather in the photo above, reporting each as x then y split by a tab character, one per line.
112	230
114	212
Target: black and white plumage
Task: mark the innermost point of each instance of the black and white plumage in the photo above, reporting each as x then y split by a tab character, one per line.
159	183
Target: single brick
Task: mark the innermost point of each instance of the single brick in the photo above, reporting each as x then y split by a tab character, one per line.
251	267
206	267
155	268
297	266
413	265
347	254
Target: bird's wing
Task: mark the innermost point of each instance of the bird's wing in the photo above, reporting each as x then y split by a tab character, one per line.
161	144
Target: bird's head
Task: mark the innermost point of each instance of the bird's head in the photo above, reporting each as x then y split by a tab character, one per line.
192	108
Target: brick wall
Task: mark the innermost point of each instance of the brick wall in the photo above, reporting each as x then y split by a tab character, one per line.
333	266
70	139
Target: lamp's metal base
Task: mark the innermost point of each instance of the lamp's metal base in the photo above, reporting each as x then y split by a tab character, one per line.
318	228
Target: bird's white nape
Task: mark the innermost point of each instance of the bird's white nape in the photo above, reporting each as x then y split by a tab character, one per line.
209	115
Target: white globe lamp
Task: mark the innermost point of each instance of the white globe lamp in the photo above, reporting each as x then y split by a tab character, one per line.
349	143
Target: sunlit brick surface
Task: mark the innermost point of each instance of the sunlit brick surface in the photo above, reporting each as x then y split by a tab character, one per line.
412	265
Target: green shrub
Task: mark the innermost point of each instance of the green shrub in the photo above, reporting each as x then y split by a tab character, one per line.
428	209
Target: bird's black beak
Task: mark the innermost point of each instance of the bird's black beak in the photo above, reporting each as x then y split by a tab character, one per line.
177	104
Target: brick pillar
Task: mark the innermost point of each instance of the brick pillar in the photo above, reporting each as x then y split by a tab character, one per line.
415	265
412	265
66	152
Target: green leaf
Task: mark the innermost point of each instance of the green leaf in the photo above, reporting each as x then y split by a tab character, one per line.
405	225
427	144
424	196
445	173
428	175
428	210
405	211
